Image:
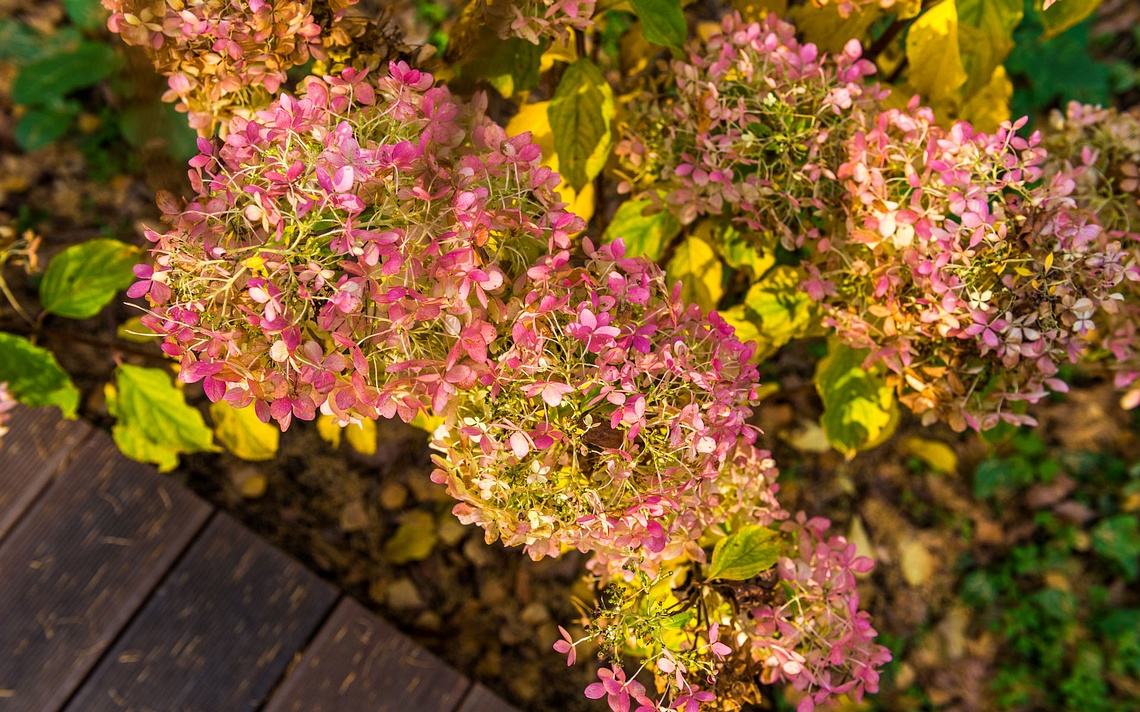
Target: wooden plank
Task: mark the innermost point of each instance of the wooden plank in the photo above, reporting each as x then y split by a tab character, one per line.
360	663
35	449
78	565
218	633
480	699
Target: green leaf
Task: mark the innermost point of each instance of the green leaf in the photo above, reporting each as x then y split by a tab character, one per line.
88	14
662	21
82	279
580	116
34	377
932	52
155	422
1056	70
985	38
859	407
21	44
745	553
697	267
241	432
739	252
53	77
1064	14
1118	538
40	127
778	309
644	235
414	539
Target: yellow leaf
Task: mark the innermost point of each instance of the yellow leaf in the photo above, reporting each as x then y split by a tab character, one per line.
697	267
426	422
936	70
828	29
1064	14
756	10
329	430
939	457
990	106
240	431
362	437
534	118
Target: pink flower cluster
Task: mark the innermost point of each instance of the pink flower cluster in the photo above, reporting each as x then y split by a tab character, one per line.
804	628
816	638
1104	145
7	403
754	128
613	408
970	273
220	55
347	250
536	20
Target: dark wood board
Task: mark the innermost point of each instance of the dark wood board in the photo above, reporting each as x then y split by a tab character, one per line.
217	634
359	663
79	564
480	699
35	449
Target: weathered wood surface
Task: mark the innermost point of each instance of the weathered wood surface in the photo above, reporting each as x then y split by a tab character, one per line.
359	662
480	699
119	592
35	449
217	635
79	564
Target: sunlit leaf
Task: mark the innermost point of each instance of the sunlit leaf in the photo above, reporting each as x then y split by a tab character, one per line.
778	309
697	267
745	553
938	456
34	377
241	432
859	407
662	21
536	119
644	235
155	424
990	105
580	115
82	279
362	437
932	51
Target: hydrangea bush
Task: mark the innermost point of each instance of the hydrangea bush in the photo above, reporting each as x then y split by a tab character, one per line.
363	244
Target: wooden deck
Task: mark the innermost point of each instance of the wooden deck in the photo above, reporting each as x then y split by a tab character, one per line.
120	590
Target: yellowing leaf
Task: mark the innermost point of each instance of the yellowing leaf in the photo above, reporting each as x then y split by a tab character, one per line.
644	235
426	422
939	457
133	330
534	118
936	70
329	430
739	252
155	424
362	437
756	10
778	308
990	106
242	433
84	278
827	29
697	267
414	539
34	376
859	408
1062	15
580	115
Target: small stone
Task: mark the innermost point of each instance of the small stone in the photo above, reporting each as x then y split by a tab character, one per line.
378	590
249	481
450	530
492	592
393	496
353	517
514	632
477	552
535	614
490	664
429	620
403	595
